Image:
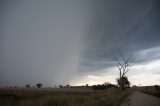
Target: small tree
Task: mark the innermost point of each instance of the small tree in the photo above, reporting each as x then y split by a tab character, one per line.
39	85
60	86
157	87
123	64
87	85
27	86
68	86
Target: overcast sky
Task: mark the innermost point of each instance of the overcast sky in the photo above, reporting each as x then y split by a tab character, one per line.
74	41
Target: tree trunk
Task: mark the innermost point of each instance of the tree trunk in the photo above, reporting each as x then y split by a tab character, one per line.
122	86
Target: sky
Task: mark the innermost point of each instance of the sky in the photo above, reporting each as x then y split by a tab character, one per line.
74	41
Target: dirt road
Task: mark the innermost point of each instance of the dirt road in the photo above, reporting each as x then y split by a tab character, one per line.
141	99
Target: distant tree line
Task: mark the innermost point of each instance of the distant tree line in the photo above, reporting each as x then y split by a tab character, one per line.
66	86
104	86
39	85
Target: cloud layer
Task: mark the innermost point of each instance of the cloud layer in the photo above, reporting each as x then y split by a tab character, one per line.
128	25
41	41
57	42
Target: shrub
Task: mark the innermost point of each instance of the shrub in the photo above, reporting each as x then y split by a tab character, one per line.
27	86
39	85
103	86
157	87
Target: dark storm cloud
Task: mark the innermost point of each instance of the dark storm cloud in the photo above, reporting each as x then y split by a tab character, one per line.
40	41
47	41
145	33
130	25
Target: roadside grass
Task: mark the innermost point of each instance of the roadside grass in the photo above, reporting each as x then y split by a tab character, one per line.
34	97
152	91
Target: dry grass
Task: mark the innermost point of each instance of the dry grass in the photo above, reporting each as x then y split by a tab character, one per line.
71	97
152	90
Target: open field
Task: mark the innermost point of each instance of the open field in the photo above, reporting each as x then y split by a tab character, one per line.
152	91
61	97
67	96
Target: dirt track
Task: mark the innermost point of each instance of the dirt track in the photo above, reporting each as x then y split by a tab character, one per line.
141	99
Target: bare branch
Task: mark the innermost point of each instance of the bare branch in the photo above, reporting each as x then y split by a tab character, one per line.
123	63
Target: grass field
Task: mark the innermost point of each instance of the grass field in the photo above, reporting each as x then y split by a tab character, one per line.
152	90
61	97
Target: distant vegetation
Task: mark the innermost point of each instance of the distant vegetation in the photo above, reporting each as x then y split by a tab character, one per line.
104	86
152	90
39	85
27	86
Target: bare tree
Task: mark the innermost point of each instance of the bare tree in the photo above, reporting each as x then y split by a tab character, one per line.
124	63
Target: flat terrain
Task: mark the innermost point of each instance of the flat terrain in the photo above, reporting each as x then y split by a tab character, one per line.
61	97
141	99
79	97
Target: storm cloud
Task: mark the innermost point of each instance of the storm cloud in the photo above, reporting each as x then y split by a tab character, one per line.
41	41
130	25
52	42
